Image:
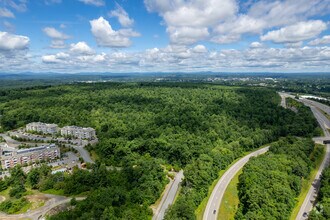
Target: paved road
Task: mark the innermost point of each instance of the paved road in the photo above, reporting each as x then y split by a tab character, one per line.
9	140
84	154
219	190
283	97
40	212
321	106
169	197
313	191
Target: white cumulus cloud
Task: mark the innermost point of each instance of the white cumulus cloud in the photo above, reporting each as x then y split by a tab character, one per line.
58	37
81	48
107	37
295	33
13	42
57	58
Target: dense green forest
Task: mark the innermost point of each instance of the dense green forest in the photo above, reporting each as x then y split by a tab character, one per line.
270	183
322	209
199	127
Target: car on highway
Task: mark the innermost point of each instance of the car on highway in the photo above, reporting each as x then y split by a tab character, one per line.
214	211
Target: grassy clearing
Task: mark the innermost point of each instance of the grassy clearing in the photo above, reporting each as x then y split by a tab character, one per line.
230	200
5	193
306	183
199	212
59	192
25	208
94	155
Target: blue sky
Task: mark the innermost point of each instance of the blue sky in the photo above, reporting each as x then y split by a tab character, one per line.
164	35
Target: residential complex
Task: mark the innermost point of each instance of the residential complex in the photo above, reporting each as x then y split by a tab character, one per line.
10	157
42	127
78	132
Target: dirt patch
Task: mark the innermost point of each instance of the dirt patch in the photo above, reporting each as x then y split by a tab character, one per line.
2	198
37	200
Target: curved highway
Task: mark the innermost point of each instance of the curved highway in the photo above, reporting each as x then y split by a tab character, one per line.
324	122
213	205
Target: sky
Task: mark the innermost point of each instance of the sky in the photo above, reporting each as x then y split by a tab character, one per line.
72	36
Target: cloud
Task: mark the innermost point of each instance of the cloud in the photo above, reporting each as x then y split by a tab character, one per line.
122	16
187	35
58	38
200	49
295	33
18	5
50	2
256	45
13	42
107	37
81	48
226	22
55	34
57	58
9	27
320	41
97	3
4	12
188	21
182	58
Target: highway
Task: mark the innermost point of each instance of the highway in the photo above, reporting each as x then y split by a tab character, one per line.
168	197
313	191
283	97
321	106
219	190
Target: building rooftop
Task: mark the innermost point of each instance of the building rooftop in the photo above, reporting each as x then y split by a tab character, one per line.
80	128
44	124
27	150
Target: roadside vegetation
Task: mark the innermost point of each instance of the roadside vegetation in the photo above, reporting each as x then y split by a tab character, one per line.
322	209
270	183
201	128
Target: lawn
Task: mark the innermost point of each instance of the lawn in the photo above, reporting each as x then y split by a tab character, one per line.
59	192
199	212
230	200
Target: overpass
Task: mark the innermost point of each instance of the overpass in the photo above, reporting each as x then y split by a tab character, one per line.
322	140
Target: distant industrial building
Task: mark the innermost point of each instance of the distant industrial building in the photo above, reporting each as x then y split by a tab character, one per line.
10	157
42	128
78	132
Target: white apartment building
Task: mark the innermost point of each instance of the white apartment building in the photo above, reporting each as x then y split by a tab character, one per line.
78	132
42	127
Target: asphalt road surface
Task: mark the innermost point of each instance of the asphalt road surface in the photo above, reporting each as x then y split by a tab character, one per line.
313	191
213	205
168	199
321	106
283	97
40	212
9	140
84	154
